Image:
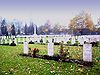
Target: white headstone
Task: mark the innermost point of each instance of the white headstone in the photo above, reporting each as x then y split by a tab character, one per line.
4	37
6	41
10	41
50	49
44	39
98	38
31	39
1	41
27	39
65	40
50	40
73	40
55	39
58	39
26	47
38	40
18	39
87	52
81	40
15	40
86	39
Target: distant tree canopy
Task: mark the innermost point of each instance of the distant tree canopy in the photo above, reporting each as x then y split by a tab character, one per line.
29	30
81	21
81	24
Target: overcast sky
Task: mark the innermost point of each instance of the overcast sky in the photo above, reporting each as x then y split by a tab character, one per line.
39	11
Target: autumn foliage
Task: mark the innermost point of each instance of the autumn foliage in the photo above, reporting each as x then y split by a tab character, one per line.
81	21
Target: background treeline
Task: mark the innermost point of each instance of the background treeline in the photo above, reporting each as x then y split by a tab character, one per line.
81	24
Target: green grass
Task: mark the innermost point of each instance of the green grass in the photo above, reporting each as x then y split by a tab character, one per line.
11	63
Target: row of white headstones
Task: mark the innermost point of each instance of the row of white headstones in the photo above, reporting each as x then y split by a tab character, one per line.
87	51
50	47
87	48
81	39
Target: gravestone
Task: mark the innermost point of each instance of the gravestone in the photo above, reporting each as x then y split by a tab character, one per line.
18	39
65	40
73	40
23	39
81	40
6	41
27	39
38	40
15	40
58	39
44	39
98	38
55	39
1	41
10	41
87	52
50	49
50	40
26	47
86	39
31	39
35	38
4	37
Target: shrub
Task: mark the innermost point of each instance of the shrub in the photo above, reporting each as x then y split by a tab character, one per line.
31	42
7	44
35	52
56	43
93	44
13	44
41	41
47	57
47	41
97	44
77	43
69	43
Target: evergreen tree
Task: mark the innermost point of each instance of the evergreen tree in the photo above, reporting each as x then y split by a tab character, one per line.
26	29
18	31
3	27
13	29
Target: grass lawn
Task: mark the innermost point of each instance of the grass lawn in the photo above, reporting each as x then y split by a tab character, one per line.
11	63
